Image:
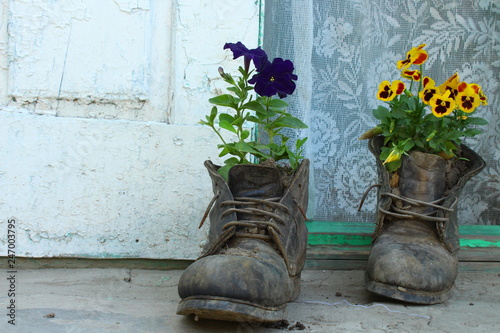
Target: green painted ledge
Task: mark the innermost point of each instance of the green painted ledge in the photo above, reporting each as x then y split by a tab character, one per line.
346	245
360	234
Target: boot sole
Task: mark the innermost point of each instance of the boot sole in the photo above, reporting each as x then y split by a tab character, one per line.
220	308
407	295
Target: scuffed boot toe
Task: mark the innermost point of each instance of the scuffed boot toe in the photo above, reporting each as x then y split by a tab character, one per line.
245	287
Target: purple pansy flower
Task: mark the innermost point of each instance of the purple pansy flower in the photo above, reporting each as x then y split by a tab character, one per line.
275	78
258	55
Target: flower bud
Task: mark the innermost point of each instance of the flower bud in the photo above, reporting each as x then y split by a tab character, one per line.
371	133
222	74
431	136
394	155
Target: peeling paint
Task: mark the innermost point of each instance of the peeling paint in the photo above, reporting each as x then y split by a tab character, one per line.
39	236
69	51
178	141
131	6
102	154
87	107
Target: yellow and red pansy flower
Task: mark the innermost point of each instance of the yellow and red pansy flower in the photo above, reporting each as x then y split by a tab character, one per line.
429	90
482	97
411	75
442	104
387	90
468	98
416	56
451	85
428	82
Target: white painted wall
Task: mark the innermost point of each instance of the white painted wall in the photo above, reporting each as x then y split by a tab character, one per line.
100	151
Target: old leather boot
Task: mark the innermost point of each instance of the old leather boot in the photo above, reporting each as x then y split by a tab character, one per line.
416	241
256	248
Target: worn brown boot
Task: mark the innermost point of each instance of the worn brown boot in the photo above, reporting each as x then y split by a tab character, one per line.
256	248
416	241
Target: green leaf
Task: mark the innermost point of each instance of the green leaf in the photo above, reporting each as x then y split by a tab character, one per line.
399	114
408	146
254	120
224	100
236	90
450	146
278	103
227	126
224	152
213	114
261	156
300	143
232	161
229	147
289	121
380	113
260	146
226	117
476	121
386	133
245	147
412	104
453	135
393	166
254	148
279	151
255	106
228	164
470	132
243	71
224	171
419	144
266	114
293	160
384	153
238	122
245	134
432	118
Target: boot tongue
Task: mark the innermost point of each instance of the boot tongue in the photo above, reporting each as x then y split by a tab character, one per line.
255	181
423	177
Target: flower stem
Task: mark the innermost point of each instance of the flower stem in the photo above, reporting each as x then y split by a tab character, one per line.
218	133
421	81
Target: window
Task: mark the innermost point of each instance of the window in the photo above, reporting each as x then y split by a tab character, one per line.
343	49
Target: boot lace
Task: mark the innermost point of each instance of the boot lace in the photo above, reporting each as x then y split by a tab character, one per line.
254	206
404	212
266	228
256	228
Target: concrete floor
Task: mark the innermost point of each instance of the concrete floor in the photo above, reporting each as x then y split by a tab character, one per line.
121	300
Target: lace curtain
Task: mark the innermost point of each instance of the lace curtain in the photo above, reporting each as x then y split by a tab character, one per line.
342	50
